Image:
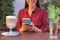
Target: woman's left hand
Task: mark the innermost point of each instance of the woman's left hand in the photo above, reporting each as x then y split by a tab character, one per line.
34	28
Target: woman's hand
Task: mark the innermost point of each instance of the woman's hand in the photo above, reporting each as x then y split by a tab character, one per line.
30	27
34	28
23	28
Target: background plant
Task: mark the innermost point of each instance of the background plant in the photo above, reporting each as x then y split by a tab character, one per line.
53	9
6	8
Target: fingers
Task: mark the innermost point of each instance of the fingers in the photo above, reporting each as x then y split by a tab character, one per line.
32	23
23	23
22	30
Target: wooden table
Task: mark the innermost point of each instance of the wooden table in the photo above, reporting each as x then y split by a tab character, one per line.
29	36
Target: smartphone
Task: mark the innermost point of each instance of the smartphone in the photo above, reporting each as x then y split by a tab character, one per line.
26	20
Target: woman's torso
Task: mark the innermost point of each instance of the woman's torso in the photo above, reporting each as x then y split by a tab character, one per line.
36	16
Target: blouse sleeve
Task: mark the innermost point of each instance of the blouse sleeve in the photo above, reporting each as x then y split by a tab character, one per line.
44	19
19	20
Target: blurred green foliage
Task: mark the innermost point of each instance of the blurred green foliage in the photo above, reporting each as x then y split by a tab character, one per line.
56	3
53	9
53	12
6	8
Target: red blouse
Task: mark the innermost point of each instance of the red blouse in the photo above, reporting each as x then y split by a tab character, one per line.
38	17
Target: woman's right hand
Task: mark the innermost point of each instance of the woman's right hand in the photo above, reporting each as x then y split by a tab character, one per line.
23	28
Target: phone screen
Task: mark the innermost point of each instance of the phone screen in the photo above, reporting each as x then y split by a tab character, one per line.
26	20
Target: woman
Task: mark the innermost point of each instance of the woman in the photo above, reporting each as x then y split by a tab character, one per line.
37	15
